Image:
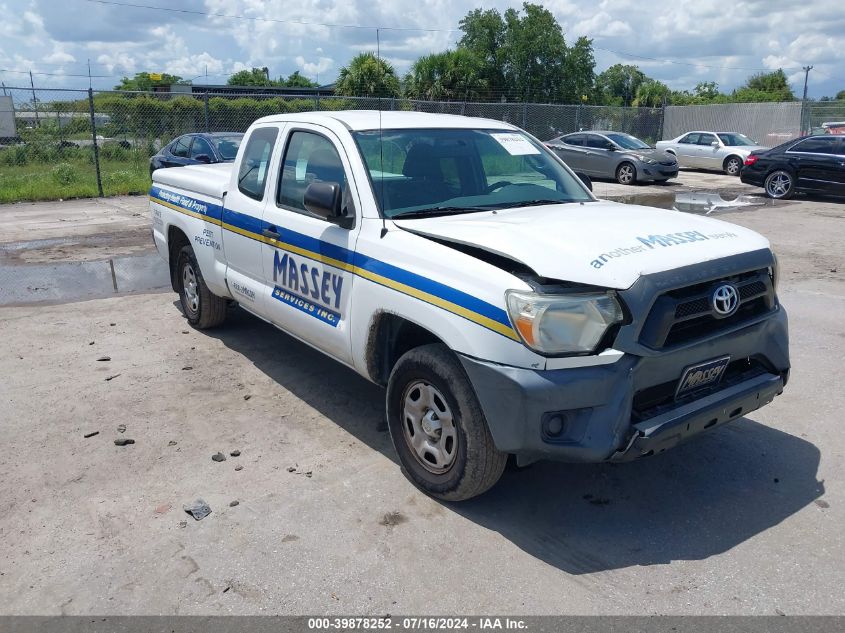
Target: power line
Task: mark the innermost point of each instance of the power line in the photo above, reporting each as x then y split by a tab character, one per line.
33	72
263	19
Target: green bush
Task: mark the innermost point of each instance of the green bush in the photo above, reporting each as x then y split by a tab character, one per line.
65	174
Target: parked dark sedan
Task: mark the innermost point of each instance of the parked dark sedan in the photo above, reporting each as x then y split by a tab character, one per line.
812	164
193	149
622	157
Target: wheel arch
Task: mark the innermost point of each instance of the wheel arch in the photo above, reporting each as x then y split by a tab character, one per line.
390	336
176	240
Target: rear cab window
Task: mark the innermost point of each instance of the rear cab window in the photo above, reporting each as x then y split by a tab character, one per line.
252	175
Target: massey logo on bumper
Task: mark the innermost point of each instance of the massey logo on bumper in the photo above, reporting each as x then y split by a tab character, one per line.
651	242
310	289
702	375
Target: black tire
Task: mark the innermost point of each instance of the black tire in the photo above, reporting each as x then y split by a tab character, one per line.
732	165
475	464
780	184
626	174
201	307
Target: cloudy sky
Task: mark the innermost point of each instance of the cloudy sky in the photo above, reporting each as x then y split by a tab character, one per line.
688	41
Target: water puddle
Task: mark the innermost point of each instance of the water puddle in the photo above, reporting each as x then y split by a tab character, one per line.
702	203
74	281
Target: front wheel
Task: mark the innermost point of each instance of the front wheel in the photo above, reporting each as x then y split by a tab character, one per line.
438	428
780	185
202	308
733	165
626	174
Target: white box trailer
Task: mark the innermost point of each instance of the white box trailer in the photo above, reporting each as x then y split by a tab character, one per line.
7	118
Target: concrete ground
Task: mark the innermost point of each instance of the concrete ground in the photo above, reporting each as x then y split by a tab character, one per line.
745	520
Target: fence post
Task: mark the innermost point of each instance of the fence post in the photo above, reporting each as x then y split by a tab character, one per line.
94	138
662	120
524	115
205	107
578	118
392	103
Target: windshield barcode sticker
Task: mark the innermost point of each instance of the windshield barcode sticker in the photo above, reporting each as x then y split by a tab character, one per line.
516	144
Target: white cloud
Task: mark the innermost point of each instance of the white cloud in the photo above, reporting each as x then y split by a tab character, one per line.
50	36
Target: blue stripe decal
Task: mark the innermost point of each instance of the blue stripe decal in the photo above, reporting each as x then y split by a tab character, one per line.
255	227
207	209
307	306
433	287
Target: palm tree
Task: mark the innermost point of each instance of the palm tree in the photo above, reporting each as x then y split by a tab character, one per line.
650	94
367	76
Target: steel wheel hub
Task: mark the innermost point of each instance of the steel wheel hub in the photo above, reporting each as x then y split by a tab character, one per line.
189	284
428	427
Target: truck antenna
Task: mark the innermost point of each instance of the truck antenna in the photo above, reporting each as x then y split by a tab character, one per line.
380	139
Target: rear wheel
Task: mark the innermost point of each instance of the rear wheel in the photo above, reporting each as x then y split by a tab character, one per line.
437	426
202	308
780	185
626	174
733	165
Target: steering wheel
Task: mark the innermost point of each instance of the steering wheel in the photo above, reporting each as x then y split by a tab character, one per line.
498	185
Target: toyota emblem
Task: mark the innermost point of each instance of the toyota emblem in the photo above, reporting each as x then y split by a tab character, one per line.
725	300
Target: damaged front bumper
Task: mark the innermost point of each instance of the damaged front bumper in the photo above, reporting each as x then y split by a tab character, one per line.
605	412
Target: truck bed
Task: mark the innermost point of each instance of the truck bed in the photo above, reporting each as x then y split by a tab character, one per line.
207	180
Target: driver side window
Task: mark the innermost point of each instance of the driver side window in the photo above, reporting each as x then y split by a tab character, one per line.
706	139
309	157
690	139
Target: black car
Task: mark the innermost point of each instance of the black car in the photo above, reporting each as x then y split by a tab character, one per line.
200	148
811	164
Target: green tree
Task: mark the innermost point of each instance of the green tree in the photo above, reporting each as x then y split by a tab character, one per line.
773	86
523	55
707	91
367	76
451	75
840	96
579	72
296	80
484	36
651	94
142	81
253	77
618	84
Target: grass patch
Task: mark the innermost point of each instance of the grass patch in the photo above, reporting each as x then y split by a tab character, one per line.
71	179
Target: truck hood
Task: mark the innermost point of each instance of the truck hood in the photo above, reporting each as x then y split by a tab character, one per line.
600	243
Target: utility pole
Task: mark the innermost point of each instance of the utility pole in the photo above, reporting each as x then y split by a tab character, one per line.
89	74
806	70
34	100
805	118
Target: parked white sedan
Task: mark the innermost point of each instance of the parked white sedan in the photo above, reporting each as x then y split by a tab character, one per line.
725	151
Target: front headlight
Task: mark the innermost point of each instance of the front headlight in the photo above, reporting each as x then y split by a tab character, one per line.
650	161
561	324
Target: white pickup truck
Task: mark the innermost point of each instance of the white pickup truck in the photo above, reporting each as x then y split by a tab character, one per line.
460	264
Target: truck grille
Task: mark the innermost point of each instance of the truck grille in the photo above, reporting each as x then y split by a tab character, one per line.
687	314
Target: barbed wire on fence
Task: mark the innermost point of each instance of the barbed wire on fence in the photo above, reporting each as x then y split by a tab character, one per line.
97	142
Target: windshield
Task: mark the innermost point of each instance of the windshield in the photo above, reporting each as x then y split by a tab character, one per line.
462	170
626	141
736	140
227	146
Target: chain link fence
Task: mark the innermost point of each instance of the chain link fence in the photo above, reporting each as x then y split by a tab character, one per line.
78	143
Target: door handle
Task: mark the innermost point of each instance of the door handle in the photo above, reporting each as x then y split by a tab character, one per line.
271	233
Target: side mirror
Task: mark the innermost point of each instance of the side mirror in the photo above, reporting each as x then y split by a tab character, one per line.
714	144
588	182
323	199
203	158
610	147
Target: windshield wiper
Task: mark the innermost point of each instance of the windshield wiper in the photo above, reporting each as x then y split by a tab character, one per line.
532	203
435	211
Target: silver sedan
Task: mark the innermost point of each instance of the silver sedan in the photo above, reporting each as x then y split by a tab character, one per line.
613	155
724	151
